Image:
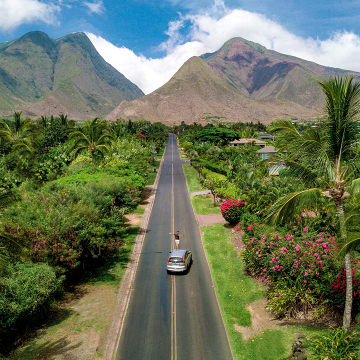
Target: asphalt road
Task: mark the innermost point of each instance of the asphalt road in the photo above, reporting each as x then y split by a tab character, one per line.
172	316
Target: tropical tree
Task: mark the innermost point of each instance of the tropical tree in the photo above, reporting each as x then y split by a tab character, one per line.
323	158
17	129
93	136
20	134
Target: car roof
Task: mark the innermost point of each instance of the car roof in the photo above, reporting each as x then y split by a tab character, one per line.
177	253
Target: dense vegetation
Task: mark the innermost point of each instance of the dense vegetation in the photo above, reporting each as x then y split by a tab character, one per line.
65	189
299	224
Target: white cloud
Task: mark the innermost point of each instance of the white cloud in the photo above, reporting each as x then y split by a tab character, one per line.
208	32
16	12
96	7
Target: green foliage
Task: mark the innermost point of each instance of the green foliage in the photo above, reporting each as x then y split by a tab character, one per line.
131	153
93	137
248	219
286	301
54	131
70	226
26	292
51	164
335	344
216	135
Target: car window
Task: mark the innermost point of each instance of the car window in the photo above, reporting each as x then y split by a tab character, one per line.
175	260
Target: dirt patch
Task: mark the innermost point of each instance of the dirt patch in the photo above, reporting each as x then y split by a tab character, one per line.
261	320
210	219
239	245
133	219
77	327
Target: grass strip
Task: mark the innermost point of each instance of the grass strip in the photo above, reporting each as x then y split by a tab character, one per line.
192	178
204	205
235	290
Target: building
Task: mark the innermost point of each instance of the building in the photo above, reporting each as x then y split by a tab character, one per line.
248	141
266	152
266	137
274	167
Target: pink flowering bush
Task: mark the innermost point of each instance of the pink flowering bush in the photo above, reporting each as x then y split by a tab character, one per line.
336	294
232	210
307	259
296	267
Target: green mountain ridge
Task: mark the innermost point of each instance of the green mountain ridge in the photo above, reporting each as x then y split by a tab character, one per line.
42	76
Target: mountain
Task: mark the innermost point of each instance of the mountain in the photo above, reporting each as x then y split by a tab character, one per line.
42	76
242	81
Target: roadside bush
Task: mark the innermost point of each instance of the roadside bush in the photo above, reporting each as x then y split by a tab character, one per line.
228	191
26	292
335	344
287	302
304	264
232	210
248	219
70	226
51	164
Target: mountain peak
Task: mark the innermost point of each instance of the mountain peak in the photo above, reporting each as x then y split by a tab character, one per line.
236	44
67	75
35	37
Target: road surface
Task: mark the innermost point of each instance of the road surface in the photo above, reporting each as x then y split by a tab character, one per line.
172	317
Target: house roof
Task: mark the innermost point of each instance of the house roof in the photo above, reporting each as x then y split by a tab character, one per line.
266	136
248	141
267	150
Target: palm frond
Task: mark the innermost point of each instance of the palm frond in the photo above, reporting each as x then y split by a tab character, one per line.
355	187
343	108
293	204
352	242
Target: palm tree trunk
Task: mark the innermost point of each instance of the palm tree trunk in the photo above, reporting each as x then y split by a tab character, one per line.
349	292
348	269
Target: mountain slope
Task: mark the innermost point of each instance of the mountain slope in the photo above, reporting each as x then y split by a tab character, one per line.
41	76
195	93
266	74
242	81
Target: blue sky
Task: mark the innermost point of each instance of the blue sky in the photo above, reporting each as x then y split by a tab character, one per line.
148	40
141	24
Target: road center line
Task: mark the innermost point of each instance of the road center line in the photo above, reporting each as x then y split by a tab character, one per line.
173	282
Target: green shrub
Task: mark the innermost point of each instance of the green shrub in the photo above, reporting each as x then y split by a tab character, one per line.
287	302
26	292
248	219
70	226
335	344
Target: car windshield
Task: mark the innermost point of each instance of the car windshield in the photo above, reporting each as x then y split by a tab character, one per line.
175	260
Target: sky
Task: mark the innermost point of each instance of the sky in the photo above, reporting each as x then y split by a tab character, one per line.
149	40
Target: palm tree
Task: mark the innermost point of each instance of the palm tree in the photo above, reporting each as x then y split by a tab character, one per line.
20	133
93	136
17	129
323	159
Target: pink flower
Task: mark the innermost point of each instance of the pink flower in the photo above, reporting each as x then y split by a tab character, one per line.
305	229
